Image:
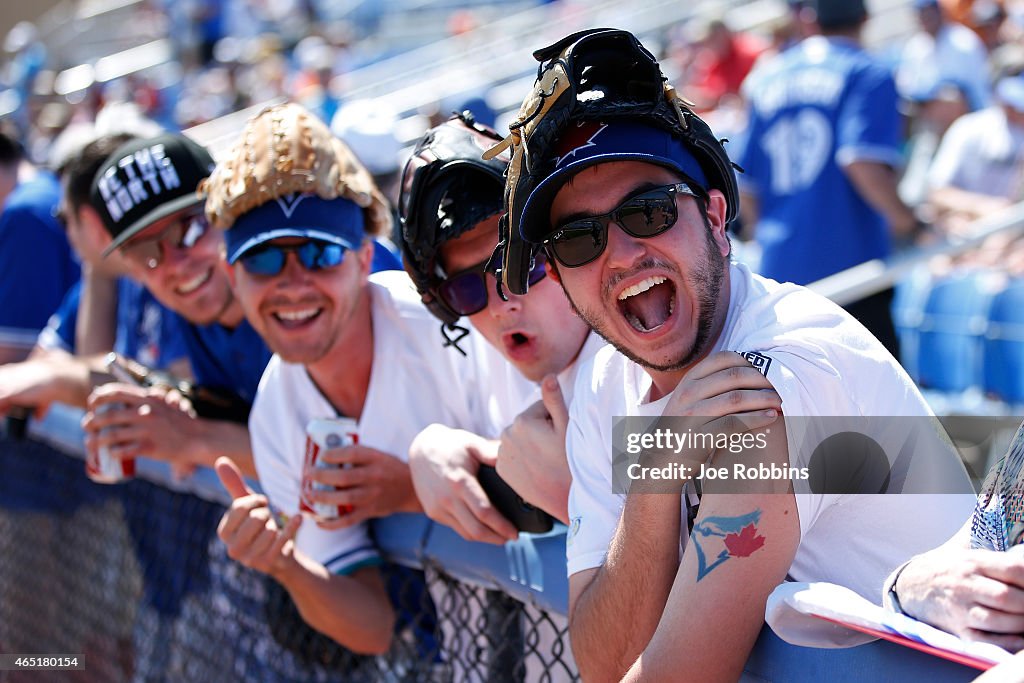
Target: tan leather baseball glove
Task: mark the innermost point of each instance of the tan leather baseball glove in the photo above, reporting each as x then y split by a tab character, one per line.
286	149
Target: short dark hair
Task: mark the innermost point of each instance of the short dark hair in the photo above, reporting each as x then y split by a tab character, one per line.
79	169
11	150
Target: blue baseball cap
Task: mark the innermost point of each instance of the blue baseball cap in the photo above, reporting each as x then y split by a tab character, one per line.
1011	92
338	221
592	142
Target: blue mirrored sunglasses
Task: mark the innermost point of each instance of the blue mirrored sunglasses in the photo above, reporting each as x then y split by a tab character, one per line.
269	259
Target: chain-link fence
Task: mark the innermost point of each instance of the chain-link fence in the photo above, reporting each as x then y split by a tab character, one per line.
134	578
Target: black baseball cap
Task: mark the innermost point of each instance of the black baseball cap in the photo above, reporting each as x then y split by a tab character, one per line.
839	13
146	180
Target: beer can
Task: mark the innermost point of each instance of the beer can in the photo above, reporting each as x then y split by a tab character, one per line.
322	434
101	466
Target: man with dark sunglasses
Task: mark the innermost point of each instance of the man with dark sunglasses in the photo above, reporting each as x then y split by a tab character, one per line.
146	195
629	195
299	218
450	205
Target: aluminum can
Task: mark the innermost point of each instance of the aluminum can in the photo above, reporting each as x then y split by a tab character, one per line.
102	467
323	433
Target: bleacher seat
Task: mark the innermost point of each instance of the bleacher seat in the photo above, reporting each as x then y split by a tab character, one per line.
907	312
1003	362
952	324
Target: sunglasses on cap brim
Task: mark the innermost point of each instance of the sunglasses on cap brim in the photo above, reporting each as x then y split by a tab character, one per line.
466	292
269	259
647	214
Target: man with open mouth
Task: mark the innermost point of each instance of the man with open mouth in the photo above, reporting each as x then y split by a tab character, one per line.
450	207
628	195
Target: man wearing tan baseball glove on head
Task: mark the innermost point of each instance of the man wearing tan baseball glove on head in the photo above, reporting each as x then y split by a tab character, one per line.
356	374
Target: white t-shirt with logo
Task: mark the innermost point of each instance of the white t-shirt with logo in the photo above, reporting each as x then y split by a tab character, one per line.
822	362
414	382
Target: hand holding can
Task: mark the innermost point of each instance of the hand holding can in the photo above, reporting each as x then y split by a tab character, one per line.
323	434
100	465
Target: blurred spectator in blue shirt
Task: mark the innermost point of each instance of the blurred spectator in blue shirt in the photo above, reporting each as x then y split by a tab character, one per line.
37	266
943	51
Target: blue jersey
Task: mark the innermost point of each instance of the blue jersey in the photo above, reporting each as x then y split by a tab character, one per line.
59	332
820	105
37	266
146	330
226	359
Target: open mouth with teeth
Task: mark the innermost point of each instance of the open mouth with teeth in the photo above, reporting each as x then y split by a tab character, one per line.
648	304
195	283
297	318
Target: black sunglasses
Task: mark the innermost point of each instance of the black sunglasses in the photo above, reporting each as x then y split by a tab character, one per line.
269	259
644	215
182	234
465	292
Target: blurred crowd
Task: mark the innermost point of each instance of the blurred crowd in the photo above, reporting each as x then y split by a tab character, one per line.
114	235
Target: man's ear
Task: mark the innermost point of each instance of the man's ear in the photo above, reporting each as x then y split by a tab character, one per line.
366	257
717	210
228	268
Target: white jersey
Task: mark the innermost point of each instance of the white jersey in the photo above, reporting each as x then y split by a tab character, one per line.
982	152
414	382
822	362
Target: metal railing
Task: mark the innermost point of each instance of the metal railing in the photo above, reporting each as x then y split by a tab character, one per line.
133	578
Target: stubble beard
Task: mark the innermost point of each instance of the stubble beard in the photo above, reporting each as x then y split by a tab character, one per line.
706	281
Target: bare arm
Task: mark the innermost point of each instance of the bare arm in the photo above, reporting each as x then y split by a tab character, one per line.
740	549
10	353
877	184
159	424
976	594
49	378
614	610
353	610
97	313
953	203
444	464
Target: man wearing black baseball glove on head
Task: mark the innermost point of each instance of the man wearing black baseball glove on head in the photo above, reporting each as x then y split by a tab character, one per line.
629	195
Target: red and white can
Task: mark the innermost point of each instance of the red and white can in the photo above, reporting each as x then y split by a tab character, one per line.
323	433
102	467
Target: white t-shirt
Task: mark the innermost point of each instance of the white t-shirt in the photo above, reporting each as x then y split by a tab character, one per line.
414	382
982	153
822	362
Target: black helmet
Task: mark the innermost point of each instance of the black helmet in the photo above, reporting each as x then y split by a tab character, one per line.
447	189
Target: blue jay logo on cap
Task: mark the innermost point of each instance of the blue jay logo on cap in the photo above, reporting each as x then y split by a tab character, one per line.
579	139
290	202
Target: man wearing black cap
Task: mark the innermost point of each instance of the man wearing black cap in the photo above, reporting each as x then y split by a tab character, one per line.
629	194
146	194
820	154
